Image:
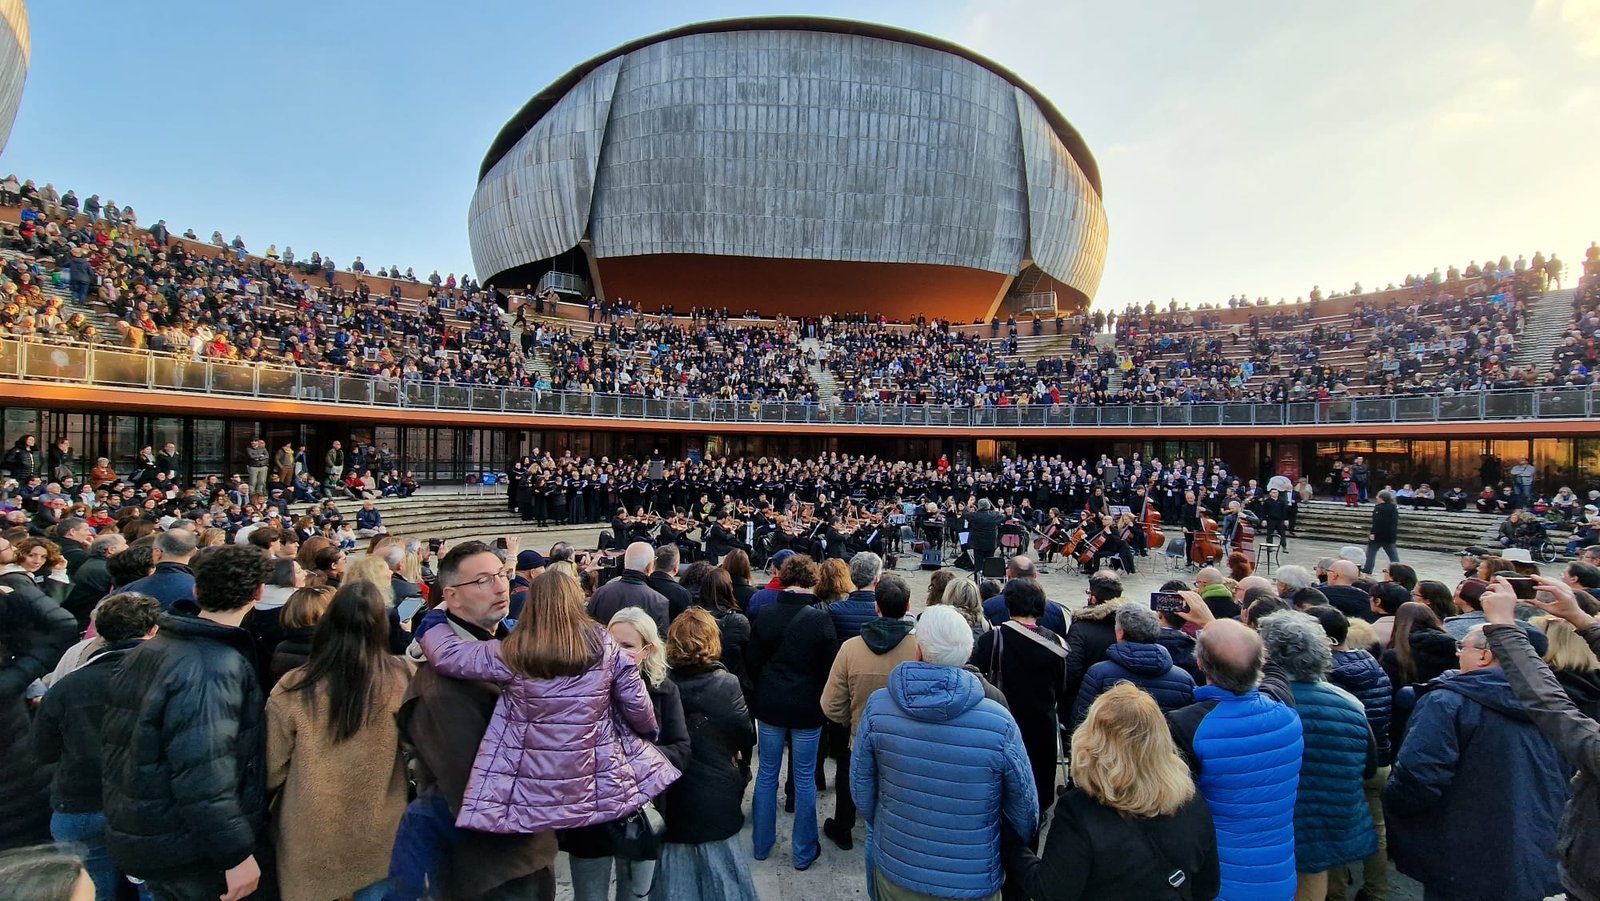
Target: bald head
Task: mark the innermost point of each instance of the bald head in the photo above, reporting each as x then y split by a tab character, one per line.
1231	655
639	557
1249	582
1208	575
1020	567
1343	572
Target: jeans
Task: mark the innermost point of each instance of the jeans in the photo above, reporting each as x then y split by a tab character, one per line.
870	853
89	831
1372	554
764	806
591	876
426	832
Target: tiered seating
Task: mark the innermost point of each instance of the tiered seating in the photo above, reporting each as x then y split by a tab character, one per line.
1435	333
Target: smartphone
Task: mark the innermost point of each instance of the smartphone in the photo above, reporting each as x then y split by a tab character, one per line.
500	543
434	544
1523	586
1168	602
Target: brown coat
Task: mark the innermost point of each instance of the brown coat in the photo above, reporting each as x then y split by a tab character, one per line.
337	805
443	721
857	673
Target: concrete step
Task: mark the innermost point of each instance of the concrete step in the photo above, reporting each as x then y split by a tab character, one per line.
1430	529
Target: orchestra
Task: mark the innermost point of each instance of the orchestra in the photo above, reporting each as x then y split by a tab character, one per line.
1107	512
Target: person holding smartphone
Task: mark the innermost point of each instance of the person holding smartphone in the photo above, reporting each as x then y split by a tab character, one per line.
1575	736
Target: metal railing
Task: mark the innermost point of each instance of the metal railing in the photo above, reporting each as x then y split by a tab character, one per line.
80	364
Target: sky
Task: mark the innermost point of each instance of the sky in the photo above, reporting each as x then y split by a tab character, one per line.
1248	147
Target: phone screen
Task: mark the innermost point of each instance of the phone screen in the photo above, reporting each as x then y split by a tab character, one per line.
1523	586
1167	602
435	543
500	543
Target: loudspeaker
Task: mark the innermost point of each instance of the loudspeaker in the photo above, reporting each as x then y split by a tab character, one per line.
994	567
933	558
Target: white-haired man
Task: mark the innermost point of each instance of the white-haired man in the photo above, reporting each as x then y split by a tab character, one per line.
944	837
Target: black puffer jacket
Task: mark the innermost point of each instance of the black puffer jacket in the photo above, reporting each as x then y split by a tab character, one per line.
791	650
185	747
706	804
34	632
67	731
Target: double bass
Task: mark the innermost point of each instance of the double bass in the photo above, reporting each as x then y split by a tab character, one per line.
1205	549
1150	522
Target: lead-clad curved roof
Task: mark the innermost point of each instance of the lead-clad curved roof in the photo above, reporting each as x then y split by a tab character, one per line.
16	47
796	142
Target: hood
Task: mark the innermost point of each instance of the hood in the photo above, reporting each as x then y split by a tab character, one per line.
192	628
1433	651
1488	687
1176	640
1140	658
1357	671
933	693
1216	590
1104	610
883	635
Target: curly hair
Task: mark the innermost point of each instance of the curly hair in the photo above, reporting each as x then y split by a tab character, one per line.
1296	642
52	552
230	577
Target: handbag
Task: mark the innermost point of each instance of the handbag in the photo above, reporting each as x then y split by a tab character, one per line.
637	836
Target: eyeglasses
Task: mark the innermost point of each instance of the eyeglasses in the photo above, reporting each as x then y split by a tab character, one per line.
1462	645
484	579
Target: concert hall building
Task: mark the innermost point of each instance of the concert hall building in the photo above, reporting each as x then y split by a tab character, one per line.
794	165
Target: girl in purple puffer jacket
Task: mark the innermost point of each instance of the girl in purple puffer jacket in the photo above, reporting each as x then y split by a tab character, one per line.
570	741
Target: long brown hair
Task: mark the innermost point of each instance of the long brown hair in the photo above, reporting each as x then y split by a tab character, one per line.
737	565
1411	617
350	658
555	636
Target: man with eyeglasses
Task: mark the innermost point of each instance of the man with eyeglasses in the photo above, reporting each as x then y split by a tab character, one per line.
442	721
1472	765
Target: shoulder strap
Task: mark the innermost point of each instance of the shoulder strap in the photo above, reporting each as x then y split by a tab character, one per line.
1038	639
1175	875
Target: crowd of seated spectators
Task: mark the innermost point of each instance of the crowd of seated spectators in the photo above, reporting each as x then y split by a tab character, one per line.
168	296
1577	358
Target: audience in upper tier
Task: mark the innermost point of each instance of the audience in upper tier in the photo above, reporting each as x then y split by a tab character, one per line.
1436	333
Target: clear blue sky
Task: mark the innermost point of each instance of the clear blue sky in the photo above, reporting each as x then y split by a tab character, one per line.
1254	147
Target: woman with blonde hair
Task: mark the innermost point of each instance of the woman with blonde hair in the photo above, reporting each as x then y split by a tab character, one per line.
1573	663
371	568
1133	827
591	850
962	594
297	623
213	537
835	584
701	858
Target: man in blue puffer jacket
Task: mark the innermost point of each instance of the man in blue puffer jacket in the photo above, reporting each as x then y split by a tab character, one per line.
935	767
1137	657
1332	825
1245	749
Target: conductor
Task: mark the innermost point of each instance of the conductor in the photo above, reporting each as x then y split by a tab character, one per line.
983	528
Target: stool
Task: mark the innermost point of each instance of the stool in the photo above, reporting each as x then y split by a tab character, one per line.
1267	553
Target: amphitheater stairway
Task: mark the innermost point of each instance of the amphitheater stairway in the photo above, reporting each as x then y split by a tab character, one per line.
1546	323
449	513
827	385
1432	529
